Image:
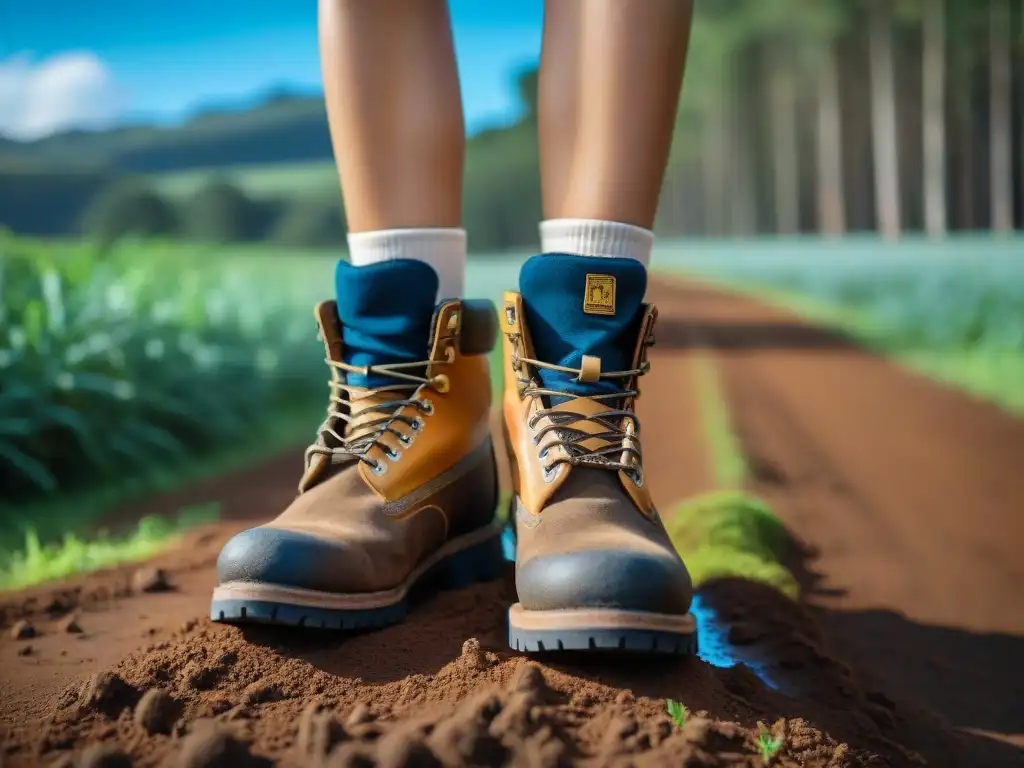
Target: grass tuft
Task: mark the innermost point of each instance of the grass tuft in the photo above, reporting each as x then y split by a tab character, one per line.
767	744
37	562
677	712
730	534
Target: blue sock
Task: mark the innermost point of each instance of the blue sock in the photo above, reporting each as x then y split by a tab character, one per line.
582	305
386	310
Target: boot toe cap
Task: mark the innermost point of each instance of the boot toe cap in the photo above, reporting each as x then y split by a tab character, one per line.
280	557
625	581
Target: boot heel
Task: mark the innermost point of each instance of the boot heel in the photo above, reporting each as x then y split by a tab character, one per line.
480	562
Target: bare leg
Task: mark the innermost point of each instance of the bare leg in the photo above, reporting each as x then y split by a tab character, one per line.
558	100
395	111
625	74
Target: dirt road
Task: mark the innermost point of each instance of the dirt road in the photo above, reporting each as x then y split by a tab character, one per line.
904	496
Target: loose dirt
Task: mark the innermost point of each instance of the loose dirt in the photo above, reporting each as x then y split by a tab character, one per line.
149	681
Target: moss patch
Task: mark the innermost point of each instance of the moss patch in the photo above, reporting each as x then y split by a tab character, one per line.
731	534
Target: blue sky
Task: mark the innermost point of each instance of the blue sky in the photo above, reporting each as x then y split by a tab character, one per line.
112	60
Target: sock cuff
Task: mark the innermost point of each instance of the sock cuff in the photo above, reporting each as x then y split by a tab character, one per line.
594	237
444	249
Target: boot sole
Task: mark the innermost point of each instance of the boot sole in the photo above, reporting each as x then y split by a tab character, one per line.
601	629
461	562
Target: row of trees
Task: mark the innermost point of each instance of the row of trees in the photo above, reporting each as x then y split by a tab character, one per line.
838	115
218	212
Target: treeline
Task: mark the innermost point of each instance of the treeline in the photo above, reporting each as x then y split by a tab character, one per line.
850	115
217	212
796	116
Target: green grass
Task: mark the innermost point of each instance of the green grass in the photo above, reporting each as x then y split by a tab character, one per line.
728	533
728	462
37	562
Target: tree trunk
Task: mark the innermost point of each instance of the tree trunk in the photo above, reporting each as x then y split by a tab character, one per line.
883	121
831	199
934	118
785	152
714	167
742	180
1000	126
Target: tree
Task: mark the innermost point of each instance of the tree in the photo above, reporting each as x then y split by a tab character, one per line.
1000	123
312	224
220	212
785	152
934	116
128	207
883	119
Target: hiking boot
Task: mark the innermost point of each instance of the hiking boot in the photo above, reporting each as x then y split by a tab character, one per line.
595	568
400	484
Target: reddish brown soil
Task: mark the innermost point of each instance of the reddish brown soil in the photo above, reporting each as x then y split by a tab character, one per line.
150	677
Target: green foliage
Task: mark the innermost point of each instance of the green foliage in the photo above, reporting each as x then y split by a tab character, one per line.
37	562
311	224
129	207
677	712
222	213
767	745
729	534
144	358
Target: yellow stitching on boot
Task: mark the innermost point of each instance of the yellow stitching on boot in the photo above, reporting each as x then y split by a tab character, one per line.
600	295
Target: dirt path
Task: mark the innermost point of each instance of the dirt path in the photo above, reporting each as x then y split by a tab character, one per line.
445	680
908	497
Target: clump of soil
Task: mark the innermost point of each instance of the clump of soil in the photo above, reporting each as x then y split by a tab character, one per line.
23	630
442	689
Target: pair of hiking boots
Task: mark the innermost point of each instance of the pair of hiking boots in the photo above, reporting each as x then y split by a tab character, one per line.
401	487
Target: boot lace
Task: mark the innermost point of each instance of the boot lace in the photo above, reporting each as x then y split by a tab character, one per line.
621	427
355	439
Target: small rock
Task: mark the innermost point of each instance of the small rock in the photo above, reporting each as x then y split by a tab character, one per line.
210	745
26	650
189	625
157	712
22	630
103	756
261	693
528	678
70	625
151	580
473	655
107	693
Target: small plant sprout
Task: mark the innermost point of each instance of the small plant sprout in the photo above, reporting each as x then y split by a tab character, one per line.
677	712
767	744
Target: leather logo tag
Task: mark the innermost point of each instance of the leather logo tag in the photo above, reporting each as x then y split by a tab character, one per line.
600	295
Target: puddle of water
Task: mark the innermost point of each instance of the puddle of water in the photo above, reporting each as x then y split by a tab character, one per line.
714	644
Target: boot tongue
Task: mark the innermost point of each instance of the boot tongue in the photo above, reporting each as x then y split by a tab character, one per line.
582	305
386	310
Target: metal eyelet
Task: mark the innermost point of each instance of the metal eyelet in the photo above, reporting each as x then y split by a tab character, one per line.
637	476
378	468
405	439
417	425
543	453
549	474
391	453
428	408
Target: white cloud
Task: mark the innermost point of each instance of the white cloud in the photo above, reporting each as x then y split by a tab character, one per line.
68	90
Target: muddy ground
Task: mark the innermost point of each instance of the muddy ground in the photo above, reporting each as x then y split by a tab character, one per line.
904	499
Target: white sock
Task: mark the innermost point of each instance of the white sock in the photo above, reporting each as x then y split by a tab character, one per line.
442	249
593	237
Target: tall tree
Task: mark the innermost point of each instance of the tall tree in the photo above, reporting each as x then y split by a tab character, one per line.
1000	123
831	195
785	151
883	119
934	116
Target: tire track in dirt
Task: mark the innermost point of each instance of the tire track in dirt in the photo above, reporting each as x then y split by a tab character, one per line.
906	498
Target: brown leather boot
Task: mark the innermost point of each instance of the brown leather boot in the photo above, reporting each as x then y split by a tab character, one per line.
400	486
595	568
